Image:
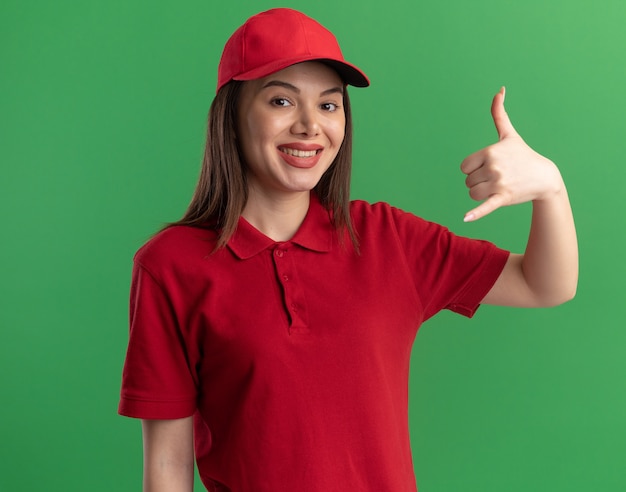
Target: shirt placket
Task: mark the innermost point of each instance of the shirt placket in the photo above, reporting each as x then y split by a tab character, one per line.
292	289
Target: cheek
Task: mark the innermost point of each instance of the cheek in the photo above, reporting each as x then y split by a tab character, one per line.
338	132
251	137
337	127
262	131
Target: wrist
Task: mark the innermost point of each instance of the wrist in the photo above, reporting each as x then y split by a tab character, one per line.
554	185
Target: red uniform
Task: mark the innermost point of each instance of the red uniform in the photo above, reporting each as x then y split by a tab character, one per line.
294	356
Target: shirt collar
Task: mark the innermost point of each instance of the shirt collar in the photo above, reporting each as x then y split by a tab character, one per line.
315	233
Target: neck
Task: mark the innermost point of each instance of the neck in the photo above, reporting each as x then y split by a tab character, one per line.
279	218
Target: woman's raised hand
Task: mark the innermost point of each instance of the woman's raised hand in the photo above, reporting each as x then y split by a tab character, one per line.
508	172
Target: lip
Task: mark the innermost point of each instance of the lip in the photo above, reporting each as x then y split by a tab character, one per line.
301	162
301	146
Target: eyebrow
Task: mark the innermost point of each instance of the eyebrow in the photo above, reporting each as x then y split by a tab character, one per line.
293	88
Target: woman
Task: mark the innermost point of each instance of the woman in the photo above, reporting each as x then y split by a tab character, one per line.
272	326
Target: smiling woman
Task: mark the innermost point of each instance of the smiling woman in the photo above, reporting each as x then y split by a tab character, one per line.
291	127
271	327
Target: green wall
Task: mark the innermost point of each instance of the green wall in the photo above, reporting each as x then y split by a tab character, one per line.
102	115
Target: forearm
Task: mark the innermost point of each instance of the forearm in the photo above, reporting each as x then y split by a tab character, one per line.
168	476
550	262
168	456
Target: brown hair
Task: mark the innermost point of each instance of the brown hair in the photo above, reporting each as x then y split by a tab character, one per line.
222	191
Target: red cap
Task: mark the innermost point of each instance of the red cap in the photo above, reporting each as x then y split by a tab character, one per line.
276	39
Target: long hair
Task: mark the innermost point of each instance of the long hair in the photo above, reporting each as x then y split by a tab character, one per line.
222	192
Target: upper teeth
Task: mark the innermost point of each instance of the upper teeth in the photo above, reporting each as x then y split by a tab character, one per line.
298	153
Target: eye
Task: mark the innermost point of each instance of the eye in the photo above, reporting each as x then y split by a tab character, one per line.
280	102
330	107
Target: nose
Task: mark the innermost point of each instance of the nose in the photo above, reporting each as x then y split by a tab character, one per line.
306	123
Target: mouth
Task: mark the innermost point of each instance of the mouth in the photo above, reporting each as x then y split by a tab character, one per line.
302	156
299	153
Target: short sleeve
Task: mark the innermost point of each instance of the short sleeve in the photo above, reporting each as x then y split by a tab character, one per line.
157	381
450	271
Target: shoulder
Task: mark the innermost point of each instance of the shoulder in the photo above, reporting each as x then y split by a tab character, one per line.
383	223
361	211
362	208
381	215
176	246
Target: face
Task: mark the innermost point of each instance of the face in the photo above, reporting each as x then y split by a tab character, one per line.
291	125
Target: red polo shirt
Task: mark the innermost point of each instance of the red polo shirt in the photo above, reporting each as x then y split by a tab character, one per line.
294	356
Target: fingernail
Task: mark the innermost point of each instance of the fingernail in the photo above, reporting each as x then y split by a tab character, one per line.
468	217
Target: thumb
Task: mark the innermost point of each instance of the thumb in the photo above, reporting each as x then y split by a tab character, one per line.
500	118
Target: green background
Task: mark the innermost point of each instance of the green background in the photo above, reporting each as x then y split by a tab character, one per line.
102	116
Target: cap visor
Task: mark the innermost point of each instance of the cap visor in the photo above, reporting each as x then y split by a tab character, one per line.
349	73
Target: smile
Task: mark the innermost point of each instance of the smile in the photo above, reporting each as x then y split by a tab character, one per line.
299	153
